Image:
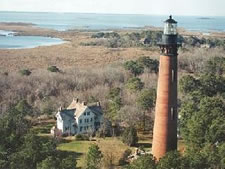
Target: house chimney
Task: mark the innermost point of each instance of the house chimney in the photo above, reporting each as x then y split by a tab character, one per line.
98	104
60	108
76	100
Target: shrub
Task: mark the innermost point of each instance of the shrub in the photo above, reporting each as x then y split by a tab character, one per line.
143	162
5	73
25	72
49	162
53	69
134	84
216	65
151	64
105	35
68	163
134	67
129	136
188	84
98	35
81	137
114	43
172	159
126	153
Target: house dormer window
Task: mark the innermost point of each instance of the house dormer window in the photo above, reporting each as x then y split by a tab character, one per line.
88	113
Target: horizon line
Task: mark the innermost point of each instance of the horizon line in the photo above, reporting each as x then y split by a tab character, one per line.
103	13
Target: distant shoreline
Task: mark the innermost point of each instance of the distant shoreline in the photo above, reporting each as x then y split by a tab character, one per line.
22	24
99	21
29	29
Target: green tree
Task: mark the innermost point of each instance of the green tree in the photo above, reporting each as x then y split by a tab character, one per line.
134	67
134	84
143	162
188	84
195	159
221	151
212	84
134	36
114	92
151	64
206	125
172	160
147	98
3	158
216	65
49	163
34	150
146	101
114	103
68	163
13	127
24	108
94	157
129	136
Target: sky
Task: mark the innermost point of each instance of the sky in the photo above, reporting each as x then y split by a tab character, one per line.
152	7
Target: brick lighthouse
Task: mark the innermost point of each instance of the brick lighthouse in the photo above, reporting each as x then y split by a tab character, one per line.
165	125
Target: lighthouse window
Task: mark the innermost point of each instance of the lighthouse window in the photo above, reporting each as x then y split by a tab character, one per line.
172	75
172	115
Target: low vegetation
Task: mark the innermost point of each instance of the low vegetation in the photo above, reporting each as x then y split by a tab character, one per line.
149	38
53	69
25	72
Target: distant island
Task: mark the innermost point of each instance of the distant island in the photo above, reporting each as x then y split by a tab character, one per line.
205	18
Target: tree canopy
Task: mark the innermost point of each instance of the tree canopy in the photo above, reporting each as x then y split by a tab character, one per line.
94	157
134	67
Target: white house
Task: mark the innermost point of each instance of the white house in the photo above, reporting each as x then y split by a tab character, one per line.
79	118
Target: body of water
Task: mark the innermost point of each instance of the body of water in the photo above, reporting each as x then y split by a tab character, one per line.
66	21
9	41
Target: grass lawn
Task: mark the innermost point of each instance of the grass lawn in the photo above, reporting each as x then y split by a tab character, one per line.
112	149
80	147
145	140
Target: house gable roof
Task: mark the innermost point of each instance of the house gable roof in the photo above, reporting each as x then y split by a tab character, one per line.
96	110
77	109
67	113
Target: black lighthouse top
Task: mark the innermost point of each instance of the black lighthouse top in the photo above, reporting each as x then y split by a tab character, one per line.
170	20
169	36
170	26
